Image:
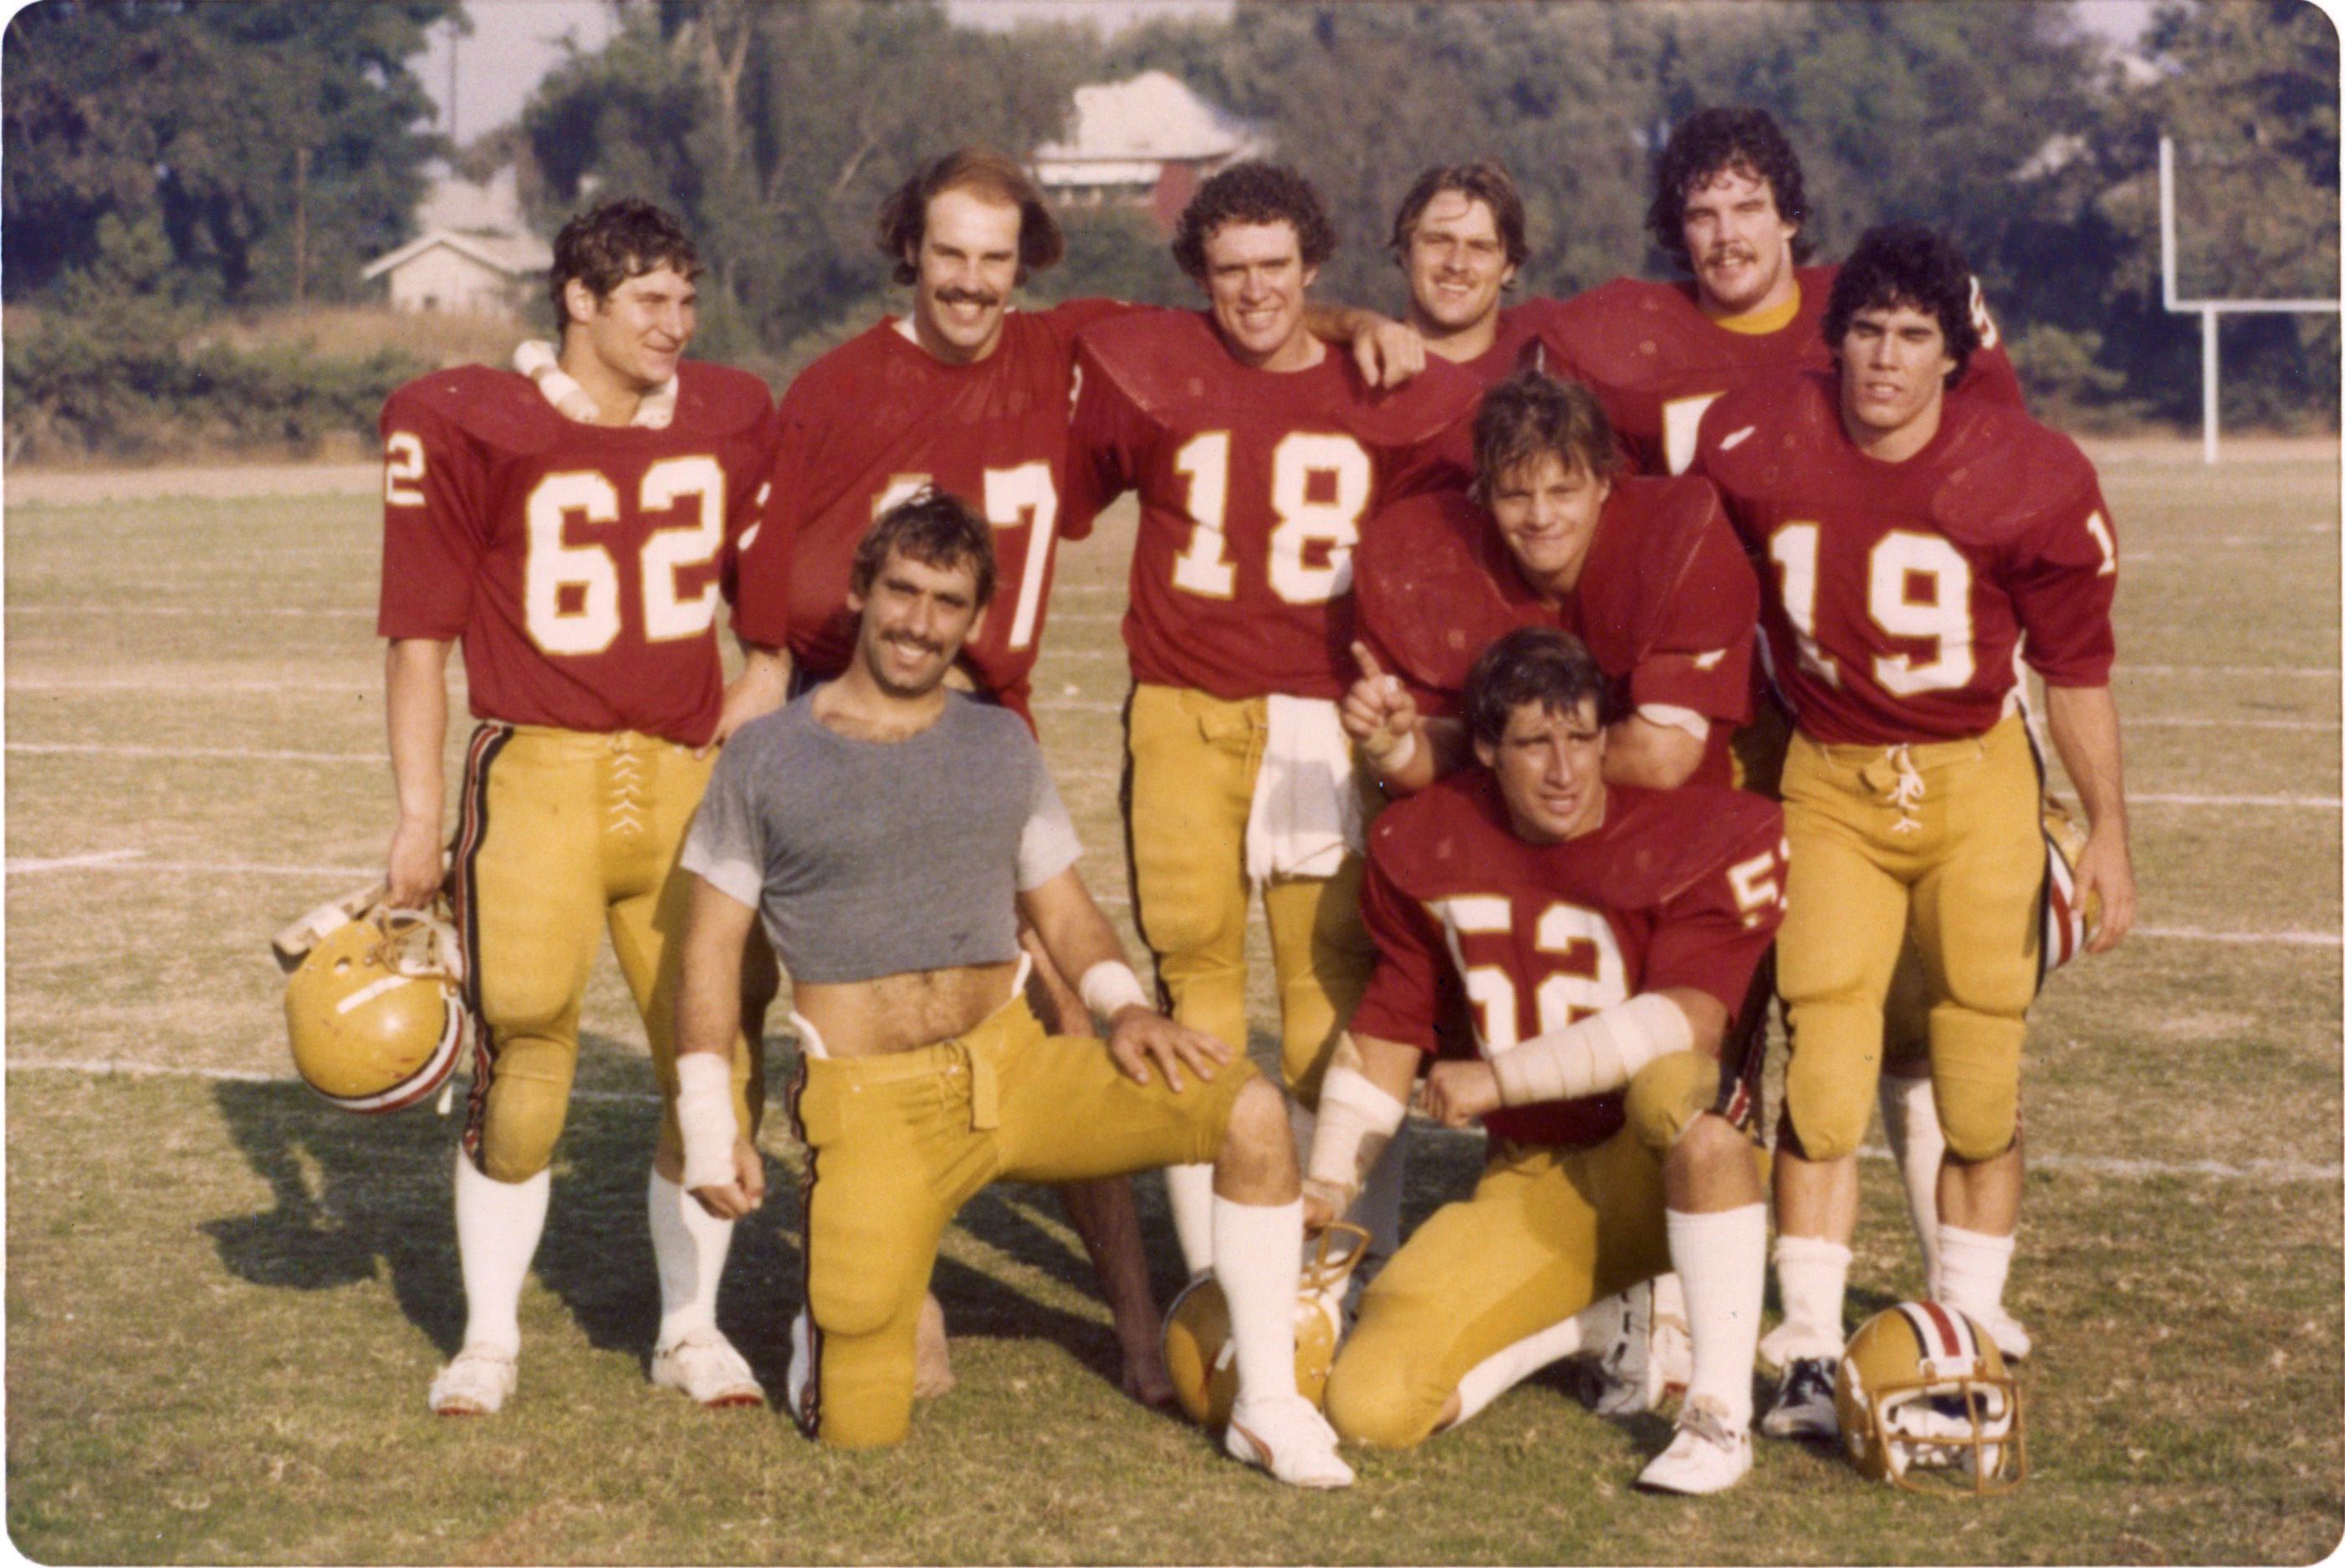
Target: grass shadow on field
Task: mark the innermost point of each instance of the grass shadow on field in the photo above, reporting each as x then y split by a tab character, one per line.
355	1199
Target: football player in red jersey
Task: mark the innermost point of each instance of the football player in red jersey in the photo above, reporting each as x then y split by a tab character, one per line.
575	527
1257	454
1459	239
968	395
1649	573
1604	936
1909	539
1729	203
1646	572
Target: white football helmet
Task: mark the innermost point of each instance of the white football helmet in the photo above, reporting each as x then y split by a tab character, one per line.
2068	922
1926	1401
375	1011
1203	1361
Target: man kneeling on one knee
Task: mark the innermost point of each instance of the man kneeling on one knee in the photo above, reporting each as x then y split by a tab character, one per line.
888	832
1603	938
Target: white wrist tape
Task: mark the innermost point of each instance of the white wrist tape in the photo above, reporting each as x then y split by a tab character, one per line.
1109	987
1594	1056
704	1115
1356	1119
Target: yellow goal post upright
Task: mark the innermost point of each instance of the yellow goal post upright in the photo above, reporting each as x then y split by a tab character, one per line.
2208	311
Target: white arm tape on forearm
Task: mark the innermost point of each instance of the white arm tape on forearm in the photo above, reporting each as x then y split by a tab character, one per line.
1109	987
704	1116
1352	1110
1594	1056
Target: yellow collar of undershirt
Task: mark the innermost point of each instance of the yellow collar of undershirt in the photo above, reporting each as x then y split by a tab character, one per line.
1759	323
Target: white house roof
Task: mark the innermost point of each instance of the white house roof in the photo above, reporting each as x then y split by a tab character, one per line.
1151	119
513	255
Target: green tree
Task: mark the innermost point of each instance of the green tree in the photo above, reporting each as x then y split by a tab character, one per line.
775	130
1362	98
276	142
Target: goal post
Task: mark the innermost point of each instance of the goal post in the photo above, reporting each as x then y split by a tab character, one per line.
2209	311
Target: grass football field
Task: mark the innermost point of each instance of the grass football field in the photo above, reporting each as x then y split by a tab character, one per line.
224	1299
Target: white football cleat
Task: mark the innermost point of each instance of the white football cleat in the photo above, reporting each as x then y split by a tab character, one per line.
706	1369
1289	1438
2004	1331
477	1383
1708	1455
1628	1380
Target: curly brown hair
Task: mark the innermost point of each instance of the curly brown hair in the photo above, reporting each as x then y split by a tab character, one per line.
609	243
1715	141
1253	193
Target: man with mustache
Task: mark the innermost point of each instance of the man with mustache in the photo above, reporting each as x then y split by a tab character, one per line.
888	832
968	395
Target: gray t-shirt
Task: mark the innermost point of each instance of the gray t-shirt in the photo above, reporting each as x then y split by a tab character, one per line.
869	859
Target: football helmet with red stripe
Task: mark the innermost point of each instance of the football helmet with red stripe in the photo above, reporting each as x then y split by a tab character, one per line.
375	1010
2069	922
1926	1401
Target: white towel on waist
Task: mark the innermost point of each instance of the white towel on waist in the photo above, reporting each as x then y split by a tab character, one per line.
1306	802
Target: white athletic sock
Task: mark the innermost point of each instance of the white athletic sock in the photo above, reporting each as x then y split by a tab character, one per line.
1972	1268
689	1245
498	1224
1909	1119
1257	1258
1485	1381
1812	1276
1721	1263
1189	1188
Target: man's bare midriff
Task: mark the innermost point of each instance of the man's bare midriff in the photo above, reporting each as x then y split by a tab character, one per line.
903	1012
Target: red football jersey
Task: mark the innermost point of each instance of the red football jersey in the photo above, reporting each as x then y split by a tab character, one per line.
1656	361
581	564
1254	485
1678	888
1896	591
1666	601
872	421
1519	333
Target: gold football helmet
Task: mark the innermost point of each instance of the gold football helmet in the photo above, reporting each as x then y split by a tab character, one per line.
2068	922
375	1008
1924	1400
1203	1361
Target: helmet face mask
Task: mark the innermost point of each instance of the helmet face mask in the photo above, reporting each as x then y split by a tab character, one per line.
1203	1359
1926	1402
375	1010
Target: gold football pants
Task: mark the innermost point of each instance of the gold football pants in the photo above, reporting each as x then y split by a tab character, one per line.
896	1144
1191	763
1547	1231
561	834
1944	837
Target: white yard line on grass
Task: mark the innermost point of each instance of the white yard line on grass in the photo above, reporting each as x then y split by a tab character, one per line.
2265	1170
2303	802
147	612
2135	722
2293	673
128	860
225	754
2247	938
